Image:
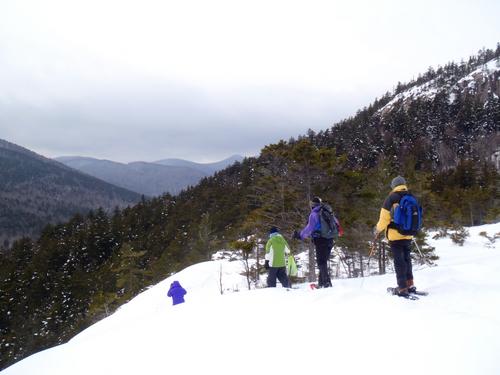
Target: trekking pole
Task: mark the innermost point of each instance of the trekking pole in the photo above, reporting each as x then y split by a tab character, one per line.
420	252
373	249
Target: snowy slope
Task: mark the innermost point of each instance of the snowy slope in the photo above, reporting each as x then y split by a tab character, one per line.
428	90
352	328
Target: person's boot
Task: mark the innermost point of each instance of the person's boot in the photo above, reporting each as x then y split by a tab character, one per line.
328	283
401	291
321	282
409	285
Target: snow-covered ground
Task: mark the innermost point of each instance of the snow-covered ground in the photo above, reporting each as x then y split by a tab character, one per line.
428	90
353	328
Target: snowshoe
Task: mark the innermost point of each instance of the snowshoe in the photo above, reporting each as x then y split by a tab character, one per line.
413	290
401	293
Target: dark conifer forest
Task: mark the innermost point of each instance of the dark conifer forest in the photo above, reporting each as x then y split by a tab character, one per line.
35	191
441	131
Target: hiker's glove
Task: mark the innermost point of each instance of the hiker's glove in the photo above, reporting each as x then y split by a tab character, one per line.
296	235
375	232
266	264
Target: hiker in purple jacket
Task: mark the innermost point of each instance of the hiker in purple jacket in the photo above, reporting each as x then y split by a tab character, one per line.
313	223
323	245
177	293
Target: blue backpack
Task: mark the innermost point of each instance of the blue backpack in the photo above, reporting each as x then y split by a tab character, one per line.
408	215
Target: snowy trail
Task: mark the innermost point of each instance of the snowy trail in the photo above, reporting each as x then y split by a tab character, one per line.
352	328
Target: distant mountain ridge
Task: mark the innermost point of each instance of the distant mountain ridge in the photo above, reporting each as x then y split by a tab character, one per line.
207	168
6	145
151	179
35	191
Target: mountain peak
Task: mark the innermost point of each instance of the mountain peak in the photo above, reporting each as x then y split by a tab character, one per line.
449	84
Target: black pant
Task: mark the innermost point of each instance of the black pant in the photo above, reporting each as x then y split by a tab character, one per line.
402	261
280	273
323	251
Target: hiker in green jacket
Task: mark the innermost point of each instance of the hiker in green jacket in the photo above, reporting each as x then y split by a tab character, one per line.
276	250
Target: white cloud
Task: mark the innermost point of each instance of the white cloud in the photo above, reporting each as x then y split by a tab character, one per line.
104	64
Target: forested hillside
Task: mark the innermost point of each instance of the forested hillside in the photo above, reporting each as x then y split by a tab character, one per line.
80	271
149	179
35	191
449	114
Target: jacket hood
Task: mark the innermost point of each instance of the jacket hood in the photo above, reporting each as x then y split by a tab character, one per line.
175	284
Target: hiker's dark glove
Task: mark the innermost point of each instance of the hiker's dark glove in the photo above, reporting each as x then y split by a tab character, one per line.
296	235
266	264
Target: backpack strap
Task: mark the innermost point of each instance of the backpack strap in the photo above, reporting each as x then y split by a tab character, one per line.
394	198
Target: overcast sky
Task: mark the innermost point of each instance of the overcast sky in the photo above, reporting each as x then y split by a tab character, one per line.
131	80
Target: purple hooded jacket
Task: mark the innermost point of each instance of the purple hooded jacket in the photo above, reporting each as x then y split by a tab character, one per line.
312	224
177	293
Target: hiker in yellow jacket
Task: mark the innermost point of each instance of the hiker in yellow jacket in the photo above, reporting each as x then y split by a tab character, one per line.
400	244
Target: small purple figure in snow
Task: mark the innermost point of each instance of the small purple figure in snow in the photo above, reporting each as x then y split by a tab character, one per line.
177	293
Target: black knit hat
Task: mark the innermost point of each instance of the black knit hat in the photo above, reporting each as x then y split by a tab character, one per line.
273	230
316	201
